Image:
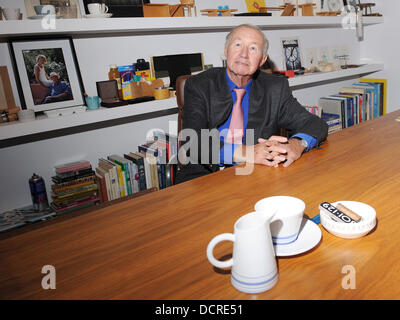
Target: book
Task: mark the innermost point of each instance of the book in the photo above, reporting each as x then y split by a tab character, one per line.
140	176
74	206
101	178
333	105
70	192
149	167
333	122
132	167
350	106
158	149
121	178
316	110
360	103
71	184
172	154
382	93
125	165
370	98
72	176
57	188
72	166
110	167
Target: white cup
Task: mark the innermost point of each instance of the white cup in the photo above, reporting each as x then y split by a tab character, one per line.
11	13
97	8
253	261
285	225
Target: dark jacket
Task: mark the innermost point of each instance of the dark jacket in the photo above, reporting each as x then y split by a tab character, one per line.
208	104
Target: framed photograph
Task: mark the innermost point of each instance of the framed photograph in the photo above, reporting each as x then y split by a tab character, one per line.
291	53
47	73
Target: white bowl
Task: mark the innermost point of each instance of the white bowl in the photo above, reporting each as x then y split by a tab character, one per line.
351	230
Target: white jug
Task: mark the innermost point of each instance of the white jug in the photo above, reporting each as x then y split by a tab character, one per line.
253	261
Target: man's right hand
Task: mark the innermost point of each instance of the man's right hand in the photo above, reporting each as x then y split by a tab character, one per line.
269	152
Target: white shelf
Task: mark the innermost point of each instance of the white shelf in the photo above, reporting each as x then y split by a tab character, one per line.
42	124
155	25
334	75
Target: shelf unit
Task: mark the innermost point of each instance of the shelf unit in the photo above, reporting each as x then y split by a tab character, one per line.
43	124
318	77
84	27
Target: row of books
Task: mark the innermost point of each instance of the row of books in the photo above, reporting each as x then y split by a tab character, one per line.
354	104
74	187
152	166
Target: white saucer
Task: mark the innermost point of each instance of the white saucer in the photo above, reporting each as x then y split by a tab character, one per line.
309	236
103	15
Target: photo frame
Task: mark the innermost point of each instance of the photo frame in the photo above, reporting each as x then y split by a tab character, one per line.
291	53
47	73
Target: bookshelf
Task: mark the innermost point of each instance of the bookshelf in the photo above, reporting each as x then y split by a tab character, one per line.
49	141
43	124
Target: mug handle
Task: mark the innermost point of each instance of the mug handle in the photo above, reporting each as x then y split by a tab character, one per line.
210	248
105	9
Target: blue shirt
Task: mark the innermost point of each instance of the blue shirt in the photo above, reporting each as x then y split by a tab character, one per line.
59	88
226	152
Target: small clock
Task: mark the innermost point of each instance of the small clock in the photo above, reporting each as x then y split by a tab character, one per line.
291	53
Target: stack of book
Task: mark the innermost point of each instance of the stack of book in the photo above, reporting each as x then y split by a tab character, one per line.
152	166
75	187
357	103
333	122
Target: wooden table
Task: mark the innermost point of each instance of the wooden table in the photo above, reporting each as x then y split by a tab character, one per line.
154	247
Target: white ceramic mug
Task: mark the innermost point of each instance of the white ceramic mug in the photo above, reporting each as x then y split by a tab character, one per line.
253	261
11	13
285	225
97	8
45	9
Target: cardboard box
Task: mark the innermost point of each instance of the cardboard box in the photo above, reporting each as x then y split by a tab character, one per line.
162	10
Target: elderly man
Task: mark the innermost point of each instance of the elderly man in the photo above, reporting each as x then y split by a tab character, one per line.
244	109
59	90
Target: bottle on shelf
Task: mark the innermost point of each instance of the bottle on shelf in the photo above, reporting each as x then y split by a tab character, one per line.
114	74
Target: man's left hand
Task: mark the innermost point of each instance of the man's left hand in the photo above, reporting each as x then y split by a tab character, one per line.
294	151
288	151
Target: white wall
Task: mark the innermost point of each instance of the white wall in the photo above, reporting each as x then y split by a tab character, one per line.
381	44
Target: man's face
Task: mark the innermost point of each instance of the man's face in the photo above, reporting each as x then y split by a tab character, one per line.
54	79
244	53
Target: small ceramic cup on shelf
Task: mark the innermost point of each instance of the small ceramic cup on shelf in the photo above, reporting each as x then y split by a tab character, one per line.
93	103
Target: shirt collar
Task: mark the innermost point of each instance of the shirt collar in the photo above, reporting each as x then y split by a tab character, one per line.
232	85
